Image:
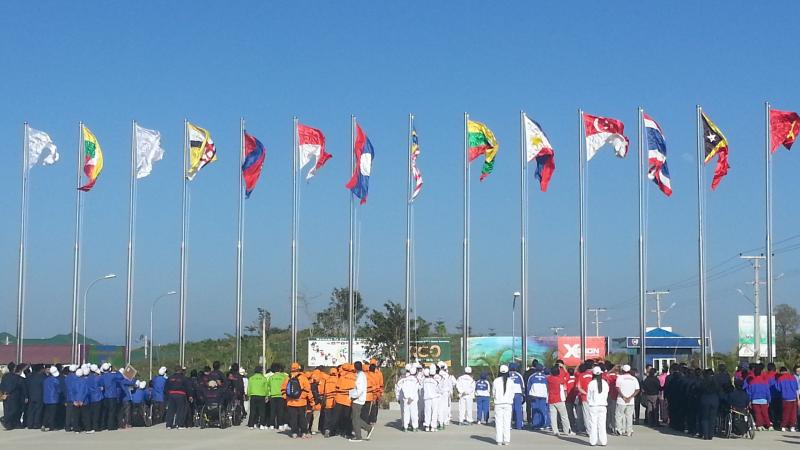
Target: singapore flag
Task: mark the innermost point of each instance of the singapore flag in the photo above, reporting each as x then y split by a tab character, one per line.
604	130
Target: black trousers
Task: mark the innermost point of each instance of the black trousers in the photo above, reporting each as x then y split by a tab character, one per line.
33	414
95	410
111	420
365	411
49	418
176	411
297	419
339	421
321	421
125	415
373	413
158	412
277	411
709	406
12	412
73	418
86	417
258	410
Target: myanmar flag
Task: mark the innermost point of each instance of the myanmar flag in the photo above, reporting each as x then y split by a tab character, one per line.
481	141
93	159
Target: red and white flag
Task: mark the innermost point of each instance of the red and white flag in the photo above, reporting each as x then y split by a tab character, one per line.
604	130
311	145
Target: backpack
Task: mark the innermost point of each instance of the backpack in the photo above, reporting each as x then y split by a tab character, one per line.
318	399
293	388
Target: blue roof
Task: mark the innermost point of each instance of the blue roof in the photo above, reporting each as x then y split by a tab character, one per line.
660	332
661	338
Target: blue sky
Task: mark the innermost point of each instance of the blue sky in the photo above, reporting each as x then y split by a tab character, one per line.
106	63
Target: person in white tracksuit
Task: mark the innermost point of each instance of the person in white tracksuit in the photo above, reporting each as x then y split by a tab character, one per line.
597	399
430	395
465	385
446	386
421	396
408	396
504	391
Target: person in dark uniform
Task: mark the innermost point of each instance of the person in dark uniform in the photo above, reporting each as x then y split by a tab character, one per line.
692	401
708	393
35	407
651	388
178	395
13	388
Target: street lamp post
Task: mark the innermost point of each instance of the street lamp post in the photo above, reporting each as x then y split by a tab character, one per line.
153	307
85	296
513	323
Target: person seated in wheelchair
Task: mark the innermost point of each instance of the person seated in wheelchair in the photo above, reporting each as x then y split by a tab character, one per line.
739	403
140	400
212	398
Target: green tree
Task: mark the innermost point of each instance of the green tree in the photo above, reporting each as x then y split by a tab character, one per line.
333	320
386	332
255	327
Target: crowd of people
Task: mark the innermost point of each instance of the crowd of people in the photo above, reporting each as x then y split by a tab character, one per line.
595	399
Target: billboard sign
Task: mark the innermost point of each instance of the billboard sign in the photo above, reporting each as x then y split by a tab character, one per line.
333	352
493	350
431	350
747	336
569	349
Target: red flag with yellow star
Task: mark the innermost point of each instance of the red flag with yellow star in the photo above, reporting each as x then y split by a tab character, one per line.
784	126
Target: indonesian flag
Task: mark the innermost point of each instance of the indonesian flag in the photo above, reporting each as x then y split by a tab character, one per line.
311	144
604	130
783	128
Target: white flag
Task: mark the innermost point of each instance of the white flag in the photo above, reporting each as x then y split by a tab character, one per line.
41	149
148	150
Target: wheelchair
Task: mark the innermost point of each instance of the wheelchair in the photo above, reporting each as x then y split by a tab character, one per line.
215	415
739	423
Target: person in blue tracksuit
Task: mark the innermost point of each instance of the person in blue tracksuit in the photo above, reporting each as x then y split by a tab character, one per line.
125	397
517	415
483	393
111	394
72	421
537	395
139	400
157	391
51	397
79	398
95	398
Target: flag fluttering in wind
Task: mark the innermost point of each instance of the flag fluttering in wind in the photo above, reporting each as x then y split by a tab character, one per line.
481	141
657	155
538	147
311	144
254	155
715	144
41	149
148	150
364	153
93	159
201	150
604	130
415	172
783	127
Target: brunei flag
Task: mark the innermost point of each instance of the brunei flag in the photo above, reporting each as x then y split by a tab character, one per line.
201	150
482	142
92	159
715	144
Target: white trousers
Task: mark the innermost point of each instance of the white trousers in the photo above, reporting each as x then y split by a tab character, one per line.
557	409
444	410
502	423
596	425
410	414
624	419
465	408
431	412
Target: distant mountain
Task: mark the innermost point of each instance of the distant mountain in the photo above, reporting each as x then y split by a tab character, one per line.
59	339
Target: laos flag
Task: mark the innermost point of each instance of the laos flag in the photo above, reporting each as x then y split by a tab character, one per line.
364	153
254	154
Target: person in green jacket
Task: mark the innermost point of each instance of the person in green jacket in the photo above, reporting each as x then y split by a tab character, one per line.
277	404
257	391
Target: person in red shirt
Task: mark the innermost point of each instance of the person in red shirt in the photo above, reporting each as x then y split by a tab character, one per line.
610	375
583	376
556	396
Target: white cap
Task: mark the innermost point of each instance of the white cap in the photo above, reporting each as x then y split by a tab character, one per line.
504	369
94	368
441	364
412	370
105	366
162	371
596	370
73	367
468	369
80	372
626	368
142	385
54	371
432	368
426	372
408	367
86	367
242	371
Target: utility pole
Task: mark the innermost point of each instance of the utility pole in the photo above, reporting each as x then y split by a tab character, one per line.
597	321
556	330
658	309
756	261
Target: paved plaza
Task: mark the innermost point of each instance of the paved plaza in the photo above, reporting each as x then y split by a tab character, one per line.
386	436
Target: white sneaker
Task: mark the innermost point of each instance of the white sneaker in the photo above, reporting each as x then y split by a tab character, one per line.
262	427
792	429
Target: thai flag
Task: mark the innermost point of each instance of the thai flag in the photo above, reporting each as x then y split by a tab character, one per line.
254	155
364	153
657	155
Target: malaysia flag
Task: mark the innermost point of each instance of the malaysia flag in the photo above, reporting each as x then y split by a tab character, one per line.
254	155
311	145
657	155
364	153
604	130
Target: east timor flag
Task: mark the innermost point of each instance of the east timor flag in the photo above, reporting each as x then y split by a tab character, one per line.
715	144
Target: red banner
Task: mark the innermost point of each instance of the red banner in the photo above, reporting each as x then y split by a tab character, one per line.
569	348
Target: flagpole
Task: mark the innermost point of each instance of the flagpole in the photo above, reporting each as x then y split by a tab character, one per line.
22	242
523	241
642	287
701	245
184	225
465	256
131	227
239	248
409	206
582	229
351	275
295	233
77	253
768	258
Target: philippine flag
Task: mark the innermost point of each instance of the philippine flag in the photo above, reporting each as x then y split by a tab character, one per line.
604	130
364	153
254	155
657	155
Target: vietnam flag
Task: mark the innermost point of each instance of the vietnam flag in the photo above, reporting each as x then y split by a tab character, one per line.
783	128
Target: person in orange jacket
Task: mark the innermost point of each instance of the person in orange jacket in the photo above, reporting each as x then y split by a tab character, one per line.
317	378
374	392
339	419
297	391
328	393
